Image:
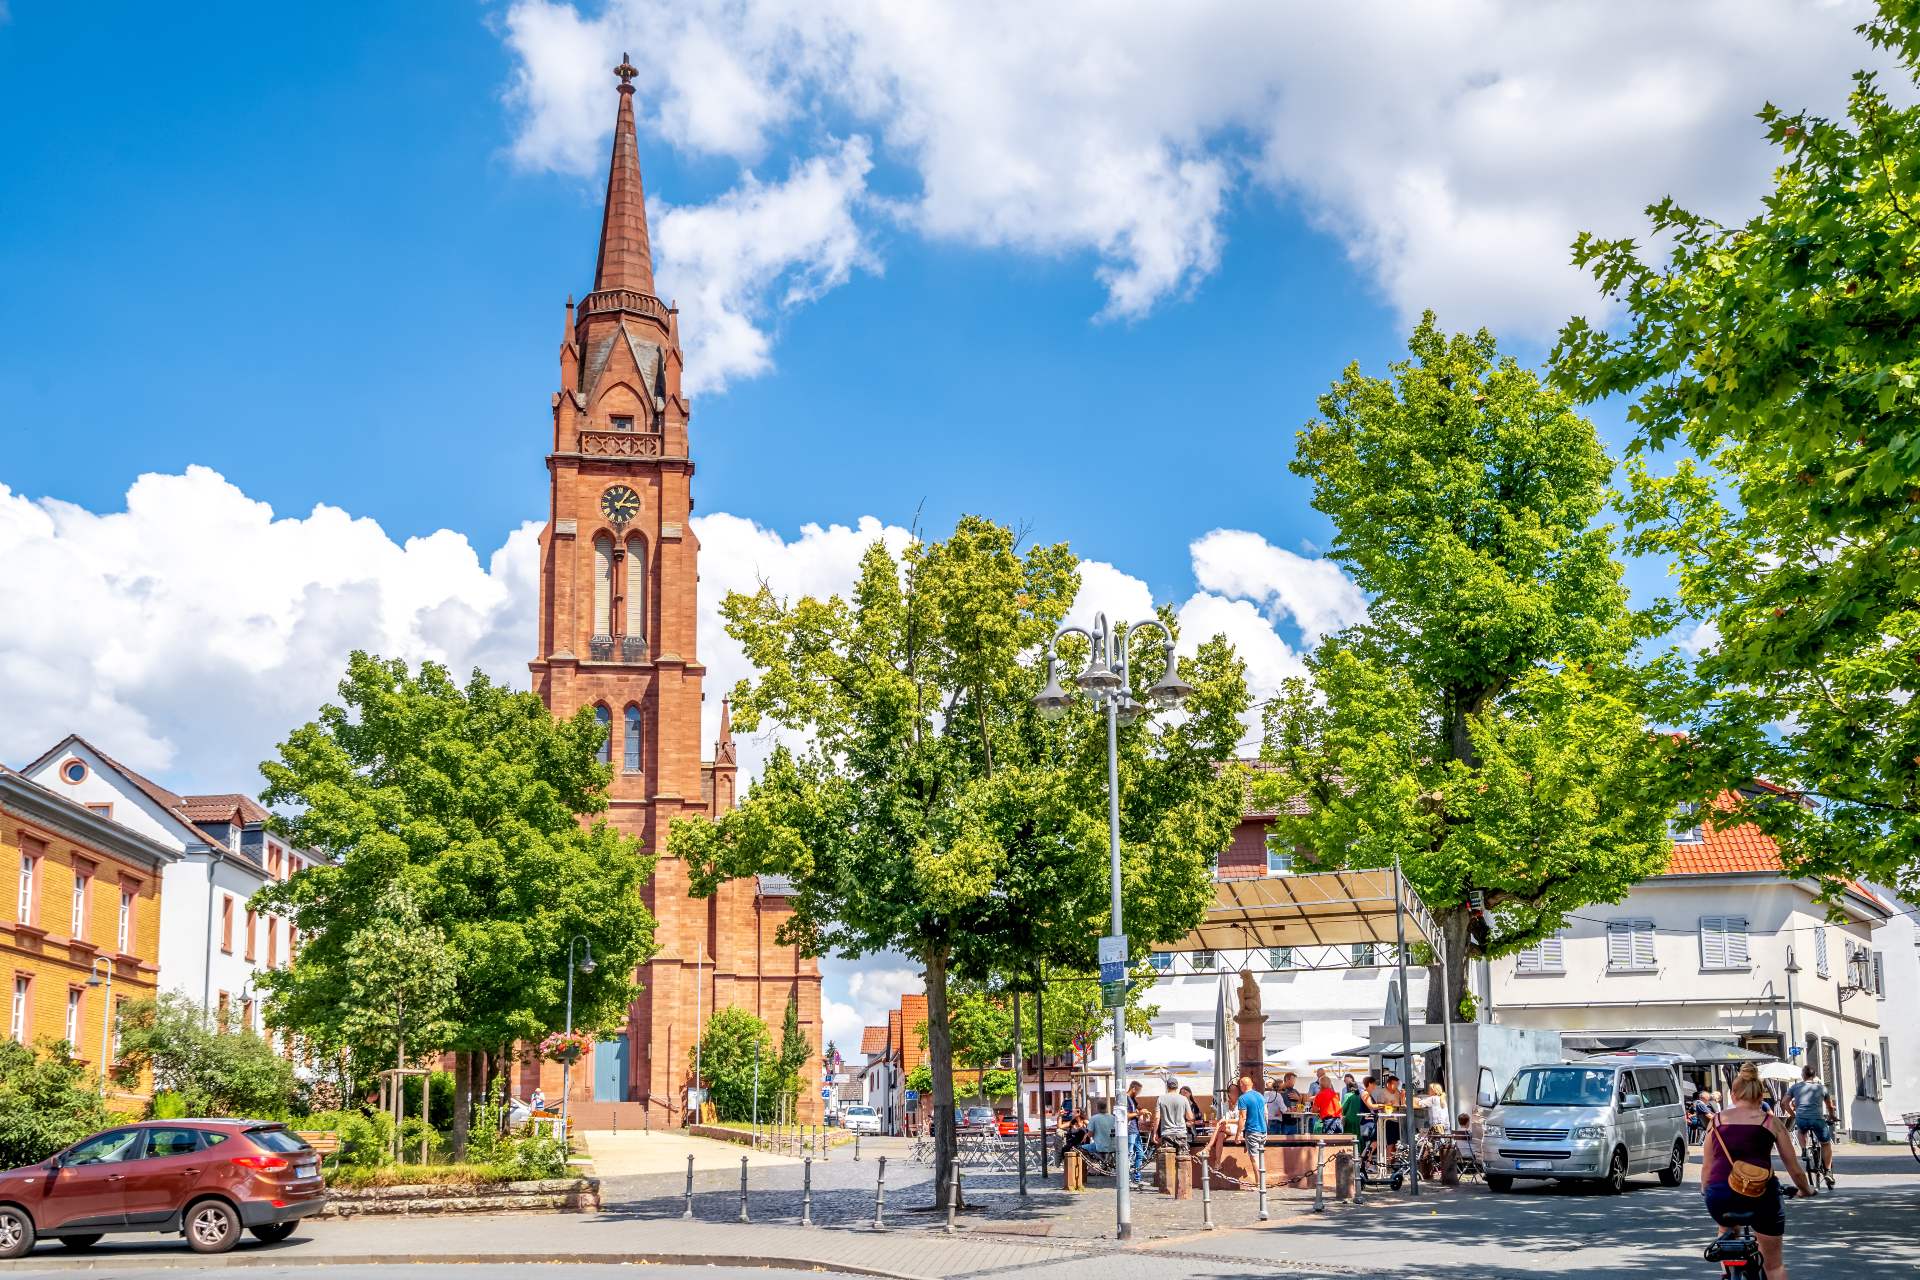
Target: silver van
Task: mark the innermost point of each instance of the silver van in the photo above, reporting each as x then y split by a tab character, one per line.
1596	1120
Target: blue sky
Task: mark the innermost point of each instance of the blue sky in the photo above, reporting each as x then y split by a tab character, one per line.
1081	268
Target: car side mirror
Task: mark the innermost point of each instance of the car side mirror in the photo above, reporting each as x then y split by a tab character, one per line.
1632	1101
1486	1098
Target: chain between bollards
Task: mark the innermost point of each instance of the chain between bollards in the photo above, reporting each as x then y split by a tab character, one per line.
1206	1191
806	1193
689	1212
743	1189
880	1196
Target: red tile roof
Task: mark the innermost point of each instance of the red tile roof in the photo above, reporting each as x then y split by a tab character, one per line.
223	808
873	1040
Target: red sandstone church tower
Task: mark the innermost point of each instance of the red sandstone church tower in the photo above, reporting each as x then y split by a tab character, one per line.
619	569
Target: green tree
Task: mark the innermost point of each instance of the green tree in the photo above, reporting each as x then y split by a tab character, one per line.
1483	725
217	1068
46	1102
980	1017
1779	359
736	1050
933	811
794	1051
467	799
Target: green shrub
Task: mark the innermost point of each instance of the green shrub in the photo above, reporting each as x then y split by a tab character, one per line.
413	1133
46	1102
539	1157
168	1105
365	1138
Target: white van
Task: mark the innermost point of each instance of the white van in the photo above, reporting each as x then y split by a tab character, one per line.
1596	1120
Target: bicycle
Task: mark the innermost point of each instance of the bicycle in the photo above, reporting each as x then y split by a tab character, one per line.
1739	1254
1813	1157
1912	1121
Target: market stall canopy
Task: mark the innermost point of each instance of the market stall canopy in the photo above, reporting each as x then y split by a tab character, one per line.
1699	1052
1310	909
1160	1054
1387	1049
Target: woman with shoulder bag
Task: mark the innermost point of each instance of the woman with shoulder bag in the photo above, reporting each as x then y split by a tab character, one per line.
1736	1170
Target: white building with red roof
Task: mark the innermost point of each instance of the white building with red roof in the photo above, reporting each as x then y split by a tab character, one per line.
1725	947
213	947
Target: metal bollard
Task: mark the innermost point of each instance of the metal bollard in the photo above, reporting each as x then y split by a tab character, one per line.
826	1147
1320	1177
880	1196
856	1148
689	1212
743	1188
953	1199
806	1194
1206	1192
1259	1174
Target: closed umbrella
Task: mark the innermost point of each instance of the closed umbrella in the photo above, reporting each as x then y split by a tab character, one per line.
1223	1011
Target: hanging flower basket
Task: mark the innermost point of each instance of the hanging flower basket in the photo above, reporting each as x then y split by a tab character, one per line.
566	1046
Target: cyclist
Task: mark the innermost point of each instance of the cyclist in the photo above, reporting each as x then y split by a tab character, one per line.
1811	1107
1745	1134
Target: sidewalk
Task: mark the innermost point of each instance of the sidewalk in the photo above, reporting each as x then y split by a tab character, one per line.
634	1153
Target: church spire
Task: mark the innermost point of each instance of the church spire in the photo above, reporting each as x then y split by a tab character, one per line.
626	259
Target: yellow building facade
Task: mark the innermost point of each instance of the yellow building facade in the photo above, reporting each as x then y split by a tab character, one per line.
81	922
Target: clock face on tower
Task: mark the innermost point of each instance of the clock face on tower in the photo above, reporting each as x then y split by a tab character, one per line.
619	504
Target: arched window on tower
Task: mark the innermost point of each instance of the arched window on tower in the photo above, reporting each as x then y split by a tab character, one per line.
603	586
634	633
630	761
605	718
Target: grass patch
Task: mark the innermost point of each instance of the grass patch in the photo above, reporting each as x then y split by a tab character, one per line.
416	1175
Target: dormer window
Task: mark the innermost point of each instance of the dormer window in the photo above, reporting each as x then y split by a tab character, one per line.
1685	824
623	424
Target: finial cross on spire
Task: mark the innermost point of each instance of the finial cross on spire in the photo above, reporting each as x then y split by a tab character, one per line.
626	71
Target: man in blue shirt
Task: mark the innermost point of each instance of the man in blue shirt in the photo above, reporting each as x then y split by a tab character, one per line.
1253	1123
1136	1140
1811	1106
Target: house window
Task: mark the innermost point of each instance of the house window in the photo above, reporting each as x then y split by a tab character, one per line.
1886	1058
74	771
78	924
273	861
1630	946
246	1013
1685	824
252	930
22	994
73	1017
104	810
119	1012
222	1005
623	424
603	586
25	913
226	924
605	717
1820	950
1278	863
1723	942
1280	957
1363	955
1162	961
273	941
1549	955
126	923
1880	979
1203	961
636	592
630	744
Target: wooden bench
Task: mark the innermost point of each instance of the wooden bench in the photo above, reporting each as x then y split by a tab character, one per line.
324	1144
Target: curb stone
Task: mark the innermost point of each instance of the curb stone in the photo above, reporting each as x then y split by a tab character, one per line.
259	1258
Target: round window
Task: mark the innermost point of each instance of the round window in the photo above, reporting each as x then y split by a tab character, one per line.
74	771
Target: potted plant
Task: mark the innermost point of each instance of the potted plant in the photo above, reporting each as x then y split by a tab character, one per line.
566	1046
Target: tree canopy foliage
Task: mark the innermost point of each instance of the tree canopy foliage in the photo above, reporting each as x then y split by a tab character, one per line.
1781	359
933	811
464	800
1484	724
736	1055
217	1069
46	1102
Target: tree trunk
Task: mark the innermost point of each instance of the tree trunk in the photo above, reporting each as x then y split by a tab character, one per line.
940	1059
462	1102
1454	922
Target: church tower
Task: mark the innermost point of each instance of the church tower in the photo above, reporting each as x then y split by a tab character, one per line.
619	574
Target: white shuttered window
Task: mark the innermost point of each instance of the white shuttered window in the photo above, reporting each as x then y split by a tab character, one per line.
1549	955
1723	942
1630	944
1820	950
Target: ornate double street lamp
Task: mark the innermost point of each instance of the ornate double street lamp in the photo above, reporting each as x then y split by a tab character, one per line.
586	966
1106	681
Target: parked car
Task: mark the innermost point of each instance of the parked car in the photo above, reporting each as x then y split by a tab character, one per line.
859	1119
1034	1124
209	1180
1596	1120
976	1119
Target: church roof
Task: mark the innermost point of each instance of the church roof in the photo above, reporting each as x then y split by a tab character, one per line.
626	257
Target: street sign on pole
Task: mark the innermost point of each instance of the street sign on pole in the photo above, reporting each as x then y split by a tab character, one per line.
1113	972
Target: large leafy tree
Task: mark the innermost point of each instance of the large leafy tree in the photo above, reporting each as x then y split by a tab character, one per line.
1483	725
466	799
736	1056
1780	359
932	811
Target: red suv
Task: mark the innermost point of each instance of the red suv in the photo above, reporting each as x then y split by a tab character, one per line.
207	1179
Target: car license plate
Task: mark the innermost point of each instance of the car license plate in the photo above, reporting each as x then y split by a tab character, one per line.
306	1169
1533	1164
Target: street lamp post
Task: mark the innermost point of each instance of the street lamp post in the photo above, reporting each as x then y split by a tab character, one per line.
586	966
106	1017
1106	680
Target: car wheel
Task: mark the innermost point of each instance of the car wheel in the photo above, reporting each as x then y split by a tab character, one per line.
1676	1171
16	1231
1616	1182
272	1232
77	1243
1499	1183
212	1226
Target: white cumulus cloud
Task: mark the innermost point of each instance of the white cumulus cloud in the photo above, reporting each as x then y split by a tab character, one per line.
1453	148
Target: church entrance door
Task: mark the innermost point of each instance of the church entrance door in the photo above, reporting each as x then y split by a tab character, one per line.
610	1070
